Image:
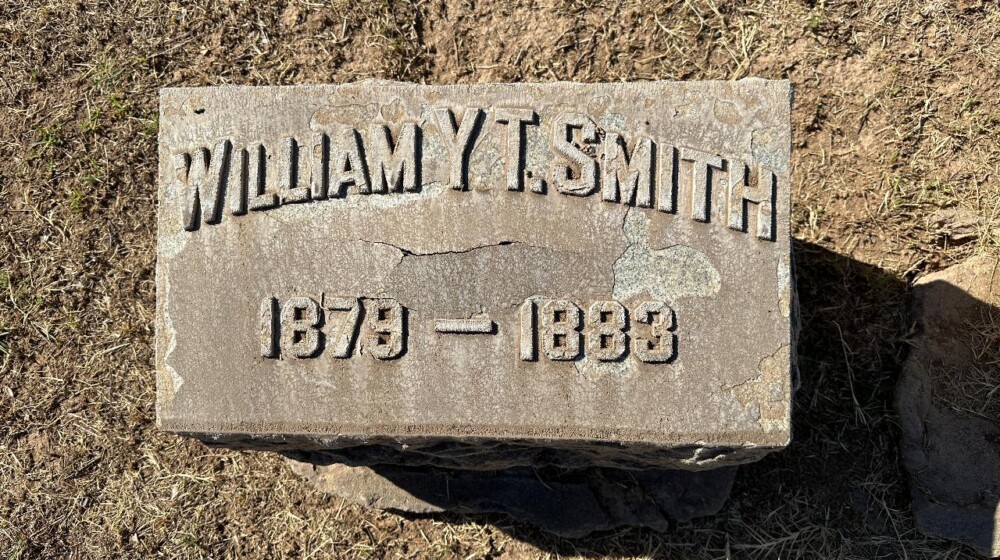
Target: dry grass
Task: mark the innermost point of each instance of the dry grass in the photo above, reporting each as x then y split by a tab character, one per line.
896	165
975	390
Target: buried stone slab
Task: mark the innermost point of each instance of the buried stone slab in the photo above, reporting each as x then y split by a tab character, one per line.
567	503
948	406
599	273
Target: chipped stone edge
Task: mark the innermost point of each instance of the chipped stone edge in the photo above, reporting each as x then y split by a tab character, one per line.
632	455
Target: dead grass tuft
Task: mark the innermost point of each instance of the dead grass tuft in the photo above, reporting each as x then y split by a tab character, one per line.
975	389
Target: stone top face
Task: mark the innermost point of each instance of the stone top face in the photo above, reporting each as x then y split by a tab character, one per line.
600	262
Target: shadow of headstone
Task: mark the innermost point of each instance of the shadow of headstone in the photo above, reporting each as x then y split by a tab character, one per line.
855	319
566	502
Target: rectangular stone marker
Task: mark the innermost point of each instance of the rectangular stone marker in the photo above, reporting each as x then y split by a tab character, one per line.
492	274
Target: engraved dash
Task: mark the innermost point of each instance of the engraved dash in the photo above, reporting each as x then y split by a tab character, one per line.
464	326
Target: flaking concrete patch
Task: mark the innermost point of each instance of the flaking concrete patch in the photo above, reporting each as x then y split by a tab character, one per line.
666	274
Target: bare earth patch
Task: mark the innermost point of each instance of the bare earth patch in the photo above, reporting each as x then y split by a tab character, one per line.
896	125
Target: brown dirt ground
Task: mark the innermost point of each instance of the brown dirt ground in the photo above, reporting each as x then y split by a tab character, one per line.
896	127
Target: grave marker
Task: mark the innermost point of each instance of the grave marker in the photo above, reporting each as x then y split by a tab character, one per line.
581	273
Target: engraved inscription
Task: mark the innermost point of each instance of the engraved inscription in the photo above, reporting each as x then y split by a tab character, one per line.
584	160
345	333
666	198
238	183
387	322
291	192
268	326
659	344
204	175
349	168
516	165
699	172
300	321
460	139
260	197
603	333
561	324
395	166
628	178
578	177
527	330
758	188
464	326
300	327
319	169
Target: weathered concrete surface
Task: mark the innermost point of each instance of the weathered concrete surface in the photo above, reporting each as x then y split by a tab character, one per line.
567	503
947	404
599	270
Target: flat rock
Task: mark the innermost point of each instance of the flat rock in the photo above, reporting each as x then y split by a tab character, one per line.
566	503
948	404
478	276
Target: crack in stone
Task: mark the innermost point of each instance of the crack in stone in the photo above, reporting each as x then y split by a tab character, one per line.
746	381
759	376
628	245
411	253
505	243
749	394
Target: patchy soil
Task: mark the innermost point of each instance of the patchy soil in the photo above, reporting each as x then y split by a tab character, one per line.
896	156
